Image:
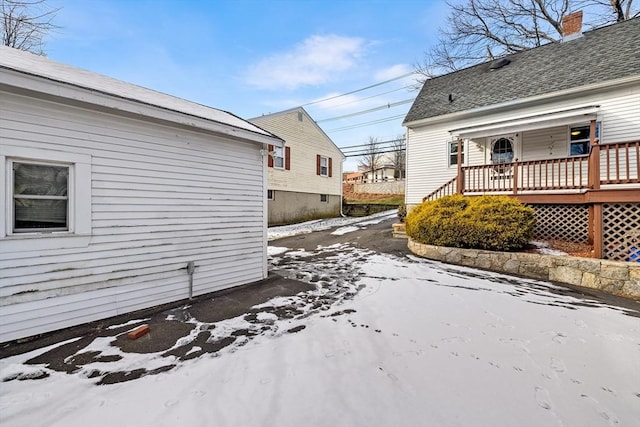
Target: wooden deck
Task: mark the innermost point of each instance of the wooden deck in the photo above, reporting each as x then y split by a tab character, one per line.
611	167
609	174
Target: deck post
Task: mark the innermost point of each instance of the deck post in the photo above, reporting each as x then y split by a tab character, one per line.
594	158
460	180
515	176
595	229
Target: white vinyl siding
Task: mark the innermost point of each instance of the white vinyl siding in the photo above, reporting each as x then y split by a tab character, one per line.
549	143
160	196
620	116
427	167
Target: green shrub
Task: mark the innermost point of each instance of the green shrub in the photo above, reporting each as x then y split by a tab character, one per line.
498	223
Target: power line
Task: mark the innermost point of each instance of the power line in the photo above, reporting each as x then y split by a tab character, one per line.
359	90
364	153
372	96
365	123
371	110
366	144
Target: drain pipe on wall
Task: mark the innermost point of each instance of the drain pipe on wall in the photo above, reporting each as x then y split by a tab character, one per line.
342	188
191	267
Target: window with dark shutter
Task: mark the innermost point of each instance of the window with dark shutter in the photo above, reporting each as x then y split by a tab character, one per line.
287	158
322	165
270	156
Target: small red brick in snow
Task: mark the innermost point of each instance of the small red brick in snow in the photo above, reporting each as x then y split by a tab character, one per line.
136	333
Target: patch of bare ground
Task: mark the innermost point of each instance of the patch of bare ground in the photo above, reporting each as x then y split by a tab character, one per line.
570	248
350	195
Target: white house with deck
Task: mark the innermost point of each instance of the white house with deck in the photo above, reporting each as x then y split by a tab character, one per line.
117	198
557	126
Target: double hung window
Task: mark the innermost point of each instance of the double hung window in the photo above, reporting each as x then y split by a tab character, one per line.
324	166
453	153
580	139
45	194
40	196
278	157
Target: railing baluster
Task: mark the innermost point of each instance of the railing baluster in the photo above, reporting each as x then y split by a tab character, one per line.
637	160
608	174
617	164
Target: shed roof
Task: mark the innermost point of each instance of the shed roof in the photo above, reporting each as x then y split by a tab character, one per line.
605	54
40	66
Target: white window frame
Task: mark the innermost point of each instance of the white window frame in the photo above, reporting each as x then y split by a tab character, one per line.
278	157
450	154
324	165
70	197
79	202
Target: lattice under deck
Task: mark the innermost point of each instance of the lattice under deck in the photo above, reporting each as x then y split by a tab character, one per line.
562	222
621	231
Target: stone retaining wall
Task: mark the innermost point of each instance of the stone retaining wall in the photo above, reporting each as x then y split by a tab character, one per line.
389	187
618	278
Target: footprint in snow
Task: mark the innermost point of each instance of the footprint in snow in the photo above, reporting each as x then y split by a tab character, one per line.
170	403
603	412
542	398
557	365
559	338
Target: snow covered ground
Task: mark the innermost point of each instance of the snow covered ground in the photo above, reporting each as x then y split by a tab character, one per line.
380	341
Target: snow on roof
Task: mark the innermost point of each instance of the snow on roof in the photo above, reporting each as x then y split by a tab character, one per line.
40	66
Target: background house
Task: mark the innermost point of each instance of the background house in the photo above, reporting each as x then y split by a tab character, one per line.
117	198
304	177
386	169
352	178
557	126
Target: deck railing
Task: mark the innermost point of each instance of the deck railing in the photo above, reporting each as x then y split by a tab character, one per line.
620	163
617	163
552	174
447	189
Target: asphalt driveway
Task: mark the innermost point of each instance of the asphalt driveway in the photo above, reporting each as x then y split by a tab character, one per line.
192	329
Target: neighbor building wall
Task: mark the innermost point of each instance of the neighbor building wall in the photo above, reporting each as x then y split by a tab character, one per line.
310	206
158	197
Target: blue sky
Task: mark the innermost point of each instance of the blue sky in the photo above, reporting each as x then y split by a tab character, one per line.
254	57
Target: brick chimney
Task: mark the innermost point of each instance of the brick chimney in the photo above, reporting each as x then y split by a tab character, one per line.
572	26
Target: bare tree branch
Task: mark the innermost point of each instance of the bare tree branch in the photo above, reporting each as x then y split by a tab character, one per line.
25	23
479	30
399	157
371	157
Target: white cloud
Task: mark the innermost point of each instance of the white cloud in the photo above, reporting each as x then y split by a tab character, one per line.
337	101
313	61
393	72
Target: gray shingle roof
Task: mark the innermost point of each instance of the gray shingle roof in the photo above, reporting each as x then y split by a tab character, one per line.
604	54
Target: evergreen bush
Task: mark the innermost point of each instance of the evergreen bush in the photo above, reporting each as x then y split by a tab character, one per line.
498	223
